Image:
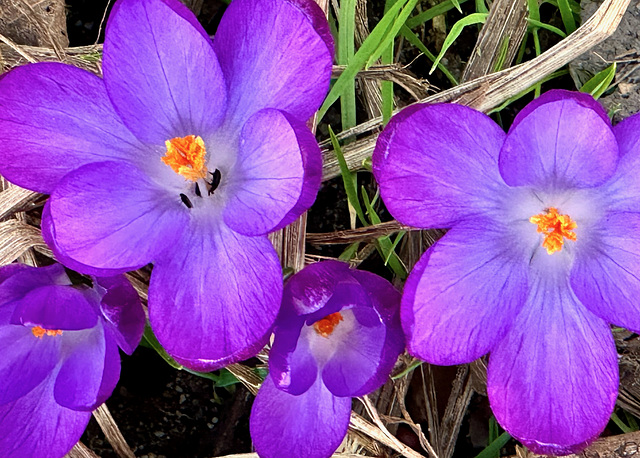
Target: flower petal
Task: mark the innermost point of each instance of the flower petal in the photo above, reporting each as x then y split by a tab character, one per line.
463	294
45	114
437	164
174	86
214	297
35	424
606	272
110	215
623	189
310	425
26	361
559	144
276	177
122	311
292	366
274	54
553	380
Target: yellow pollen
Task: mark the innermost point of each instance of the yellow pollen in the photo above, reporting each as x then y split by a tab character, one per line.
185	156
555	227
40	332
325	326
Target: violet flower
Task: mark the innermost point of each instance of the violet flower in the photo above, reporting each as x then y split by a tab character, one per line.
185	155
337	336
60	356
543	252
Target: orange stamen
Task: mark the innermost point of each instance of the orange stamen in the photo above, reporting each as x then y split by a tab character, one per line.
325	326
40	332
185	156
555	227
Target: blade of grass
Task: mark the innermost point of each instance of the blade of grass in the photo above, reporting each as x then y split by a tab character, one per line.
456	3
534	15
567	16
412	38
432	12
481	7
550	28
599	83
620	424
454	33
493	449
345	52
386	87
393	32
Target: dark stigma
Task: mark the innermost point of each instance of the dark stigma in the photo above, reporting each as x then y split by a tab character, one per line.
216	176
186	201
198	193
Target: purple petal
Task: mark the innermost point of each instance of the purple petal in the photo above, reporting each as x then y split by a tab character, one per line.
559	144
623	189
270	185
463	295
56	307
26	361
437	164
553	381
214	297
9	270
292	366
110	215
311	425
35	425
45	113
274	54
122	311
90	373
606	272
174	86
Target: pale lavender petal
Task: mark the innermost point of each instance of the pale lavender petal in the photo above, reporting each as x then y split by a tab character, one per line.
173	86
623	190
558	145
311	425
49	125
122	310
269	177
455	312
553	380
35	425
274	55
438	164
214	296
111	215
292	366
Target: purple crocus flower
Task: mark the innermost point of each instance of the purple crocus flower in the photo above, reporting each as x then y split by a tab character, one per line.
186	155
60	356
337	336
542	253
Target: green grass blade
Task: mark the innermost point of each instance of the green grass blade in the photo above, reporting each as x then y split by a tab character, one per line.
345	52
599	83
493	449
432	12
393	32
456	3
548	27
481	7
349	252
454	33
412	38
567	16
620	424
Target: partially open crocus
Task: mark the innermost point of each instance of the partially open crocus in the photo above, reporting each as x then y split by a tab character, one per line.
542	253
338	335
185	155
60	358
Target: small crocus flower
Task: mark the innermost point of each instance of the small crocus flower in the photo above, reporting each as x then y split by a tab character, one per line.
337	336
542	253
60	356
185	155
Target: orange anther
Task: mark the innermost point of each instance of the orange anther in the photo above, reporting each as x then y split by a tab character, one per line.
40	332
186	157
555	227
325	326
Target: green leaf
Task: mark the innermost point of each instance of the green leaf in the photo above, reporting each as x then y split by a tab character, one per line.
392	33
350	252
432	12
600	82
567	16
415	41
548	27
493	449
345	51
620	424
456	3
454	33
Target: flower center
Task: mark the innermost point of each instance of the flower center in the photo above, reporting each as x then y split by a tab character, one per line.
325	326
185	156
555	227
40	332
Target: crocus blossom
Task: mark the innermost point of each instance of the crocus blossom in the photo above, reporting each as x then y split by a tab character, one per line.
542	253
185	155
338	335
60	358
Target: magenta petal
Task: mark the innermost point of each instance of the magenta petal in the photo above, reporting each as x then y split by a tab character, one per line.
35	425
111	215
173	86
269	178
45	113
274	55
9	270
553	380
462	296
214	297
122	311
559	144
437	164
26	361
311	425
606	272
